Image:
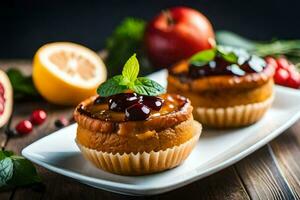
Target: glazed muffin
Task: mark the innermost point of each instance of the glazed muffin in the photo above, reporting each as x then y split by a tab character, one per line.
227	87
131	132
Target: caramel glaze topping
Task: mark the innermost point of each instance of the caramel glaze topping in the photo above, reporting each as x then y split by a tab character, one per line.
180	76
99	118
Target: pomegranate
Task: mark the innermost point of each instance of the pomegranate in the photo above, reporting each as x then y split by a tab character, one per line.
6	98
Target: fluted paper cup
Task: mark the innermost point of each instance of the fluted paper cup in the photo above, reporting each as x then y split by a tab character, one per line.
140	163
236	116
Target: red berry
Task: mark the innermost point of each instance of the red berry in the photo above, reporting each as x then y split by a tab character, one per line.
152	102
61	122
281	76
294	80
283	63
38	117
137	112
24	127
271	61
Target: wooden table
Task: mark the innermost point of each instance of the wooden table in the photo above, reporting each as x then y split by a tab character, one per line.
272	172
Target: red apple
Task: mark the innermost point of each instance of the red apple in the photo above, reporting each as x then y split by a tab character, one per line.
176	34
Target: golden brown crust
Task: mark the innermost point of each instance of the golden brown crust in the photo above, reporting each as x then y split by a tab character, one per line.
122	128
228	97
147	141
220	82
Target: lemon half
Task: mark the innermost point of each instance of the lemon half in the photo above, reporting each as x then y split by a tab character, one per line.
65	73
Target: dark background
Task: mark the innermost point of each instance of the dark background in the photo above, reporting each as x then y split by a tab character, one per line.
26	25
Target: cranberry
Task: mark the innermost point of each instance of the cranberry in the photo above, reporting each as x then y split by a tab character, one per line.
100	100
24	127
152	102
61	122
120	102
38	117
281	76
137	112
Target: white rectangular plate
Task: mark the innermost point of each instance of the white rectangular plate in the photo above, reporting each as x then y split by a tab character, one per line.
215	150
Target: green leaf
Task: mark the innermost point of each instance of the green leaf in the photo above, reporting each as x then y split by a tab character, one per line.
126	39
131	68
228	54
203	57
4	154
16	171
146	86
24	172
6	171
22	85
112	86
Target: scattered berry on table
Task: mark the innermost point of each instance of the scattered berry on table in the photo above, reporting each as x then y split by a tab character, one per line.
38	117
24	127
61	122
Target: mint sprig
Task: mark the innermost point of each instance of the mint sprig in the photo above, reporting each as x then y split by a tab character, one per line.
229	54
129	80
203	57
16	171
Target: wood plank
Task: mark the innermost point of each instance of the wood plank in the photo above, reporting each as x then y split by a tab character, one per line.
5	195
225	184
262	178
286	149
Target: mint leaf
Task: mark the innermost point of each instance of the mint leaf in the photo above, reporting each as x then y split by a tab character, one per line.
131	68
129	80
228	54
203	57
6	171
16	171
24	172
112	86
4	154
146	86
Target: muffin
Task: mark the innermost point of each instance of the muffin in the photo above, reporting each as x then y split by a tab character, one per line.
227	87
129	131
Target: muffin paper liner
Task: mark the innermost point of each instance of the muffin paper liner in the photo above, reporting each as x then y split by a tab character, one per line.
235	116
140	163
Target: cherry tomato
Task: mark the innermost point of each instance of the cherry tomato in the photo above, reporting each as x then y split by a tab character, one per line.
281	76
294	79
293	82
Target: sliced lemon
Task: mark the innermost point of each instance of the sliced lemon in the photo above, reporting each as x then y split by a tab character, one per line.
65	73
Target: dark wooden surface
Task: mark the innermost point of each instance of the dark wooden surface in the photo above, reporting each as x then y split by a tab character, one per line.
272	172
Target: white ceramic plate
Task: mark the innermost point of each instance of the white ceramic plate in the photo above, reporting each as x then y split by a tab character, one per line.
214	151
